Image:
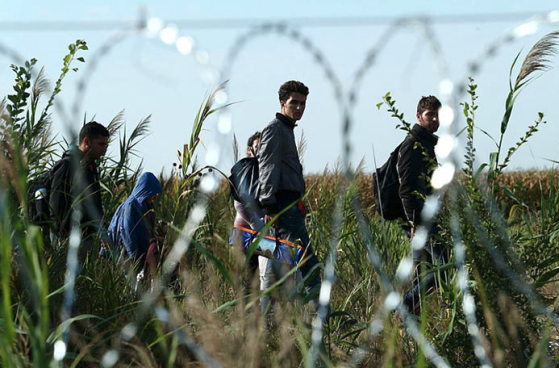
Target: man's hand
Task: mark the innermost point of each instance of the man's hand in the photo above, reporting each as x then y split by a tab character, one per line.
412	231
269	217
105	242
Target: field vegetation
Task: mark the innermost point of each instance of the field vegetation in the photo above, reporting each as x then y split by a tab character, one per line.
497	308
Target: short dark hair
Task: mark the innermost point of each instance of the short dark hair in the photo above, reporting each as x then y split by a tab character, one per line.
252	138
428	103
93	130
290	87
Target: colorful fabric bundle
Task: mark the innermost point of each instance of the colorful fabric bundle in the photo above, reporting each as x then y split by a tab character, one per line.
268	246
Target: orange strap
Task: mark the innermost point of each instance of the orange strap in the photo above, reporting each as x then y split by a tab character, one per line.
283	241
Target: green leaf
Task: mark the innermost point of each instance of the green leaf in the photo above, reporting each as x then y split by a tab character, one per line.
509	193
508	111
461	131
492	165
55	335
81	59
511	69
479	171
213	259
489	136
546	277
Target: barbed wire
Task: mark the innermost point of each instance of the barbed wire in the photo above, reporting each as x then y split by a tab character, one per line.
284	30
524	29
11	54
168	33
91	67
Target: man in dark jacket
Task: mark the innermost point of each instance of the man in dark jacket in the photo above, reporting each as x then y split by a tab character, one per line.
75	197
282	184
416	163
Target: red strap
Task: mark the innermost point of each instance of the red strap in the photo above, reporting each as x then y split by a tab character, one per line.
302	208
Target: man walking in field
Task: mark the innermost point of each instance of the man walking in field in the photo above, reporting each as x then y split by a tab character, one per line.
250	216
416	163
75	187
282	184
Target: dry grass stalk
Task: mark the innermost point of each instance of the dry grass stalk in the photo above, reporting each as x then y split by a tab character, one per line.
538	57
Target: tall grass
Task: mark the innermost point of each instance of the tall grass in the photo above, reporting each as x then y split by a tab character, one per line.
199	314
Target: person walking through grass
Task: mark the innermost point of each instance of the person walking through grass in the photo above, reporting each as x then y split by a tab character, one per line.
415	166
282	185
75	191
250	215
133	227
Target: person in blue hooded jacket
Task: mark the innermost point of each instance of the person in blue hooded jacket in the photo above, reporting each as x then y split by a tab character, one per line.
133	225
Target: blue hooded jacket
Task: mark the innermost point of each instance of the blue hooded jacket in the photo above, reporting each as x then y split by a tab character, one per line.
128	228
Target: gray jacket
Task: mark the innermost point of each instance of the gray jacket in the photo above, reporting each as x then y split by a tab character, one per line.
278	162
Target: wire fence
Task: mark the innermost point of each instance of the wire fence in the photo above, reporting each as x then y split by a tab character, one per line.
170	34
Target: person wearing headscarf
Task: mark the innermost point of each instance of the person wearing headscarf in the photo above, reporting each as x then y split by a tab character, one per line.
132	229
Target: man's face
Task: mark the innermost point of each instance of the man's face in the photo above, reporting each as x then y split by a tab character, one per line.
294	106
429	119
254	148
96	148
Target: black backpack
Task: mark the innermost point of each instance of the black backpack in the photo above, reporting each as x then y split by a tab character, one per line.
244	182
386	186
38	191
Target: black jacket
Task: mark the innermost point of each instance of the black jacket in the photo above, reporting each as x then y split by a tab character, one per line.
280	171
75	185
416	163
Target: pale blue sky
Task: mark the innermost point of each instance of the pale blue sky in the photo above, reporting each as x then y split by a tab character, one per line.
145	76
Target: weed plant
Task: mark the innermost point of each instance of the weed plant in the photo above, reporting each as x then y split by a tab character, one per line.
200	315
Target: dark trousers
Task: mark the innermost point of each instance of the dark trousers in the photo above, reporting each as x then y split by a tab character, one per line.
432	254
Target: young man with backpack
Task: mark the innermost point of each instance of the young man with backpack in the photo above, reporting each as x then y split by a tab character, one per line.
282	185
75	191
245	180
416	163
249	214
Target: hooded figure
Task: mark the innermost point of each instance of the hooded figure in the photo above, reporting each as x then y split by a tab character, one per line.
133	223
